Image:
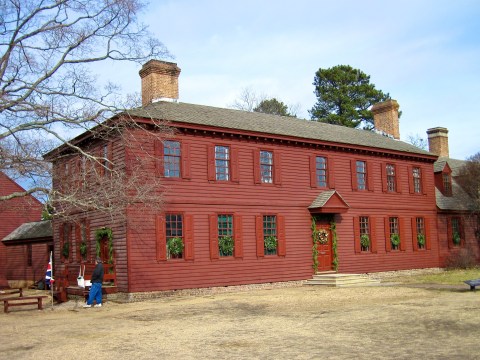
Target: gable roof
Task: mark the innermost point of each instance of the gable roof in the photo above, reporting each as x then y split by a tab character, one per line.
329	201
454	164
459	201
271	124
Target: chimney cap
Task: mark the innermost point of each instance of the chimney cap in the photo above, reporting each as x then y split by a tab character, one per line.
387	105
159	67
437	131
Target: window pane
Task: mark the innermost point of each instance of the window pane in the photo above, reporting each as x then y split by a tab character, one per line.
393	222
447	185
174	229
361	175
222	162
269	234
321	171
390	177
171	158
417	187
420	225
225	234
266	166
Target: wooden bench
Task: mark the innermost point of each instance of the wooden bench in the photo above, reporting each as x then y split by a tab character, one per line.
11	292
472	283
20	301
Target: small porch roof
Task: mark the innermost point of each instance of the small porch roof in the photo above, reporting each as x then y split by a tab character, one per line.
329	201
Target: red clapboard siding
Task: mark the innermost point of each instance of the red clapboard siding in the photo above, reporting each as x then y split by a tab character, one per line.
199	196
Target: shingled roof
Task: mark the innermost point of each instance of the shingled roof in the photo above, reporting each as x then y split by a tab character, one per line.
270	124
32	231
459	201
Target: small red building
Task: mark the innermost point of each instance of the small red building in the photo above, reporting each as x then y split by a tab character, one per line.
246	193
456	218
18	264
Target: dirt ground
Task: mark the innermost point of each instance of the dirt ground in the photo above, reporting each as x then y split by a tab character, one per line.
306	322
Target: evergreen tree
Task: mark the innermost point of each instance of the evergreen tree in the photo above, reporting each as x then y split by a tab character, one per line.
344	97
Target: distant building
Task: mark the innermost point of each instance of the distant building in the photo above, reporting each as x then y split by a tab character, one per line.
17	264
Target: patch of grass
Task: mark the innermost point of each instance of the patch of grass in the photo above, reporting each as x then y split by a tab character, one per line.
447	277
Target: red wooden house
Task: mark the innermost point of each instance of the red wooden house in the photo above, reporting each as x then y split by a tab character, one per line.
245	193
19	263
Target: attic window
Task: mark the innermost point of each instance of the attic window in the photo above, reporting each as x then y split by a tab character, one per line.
447	184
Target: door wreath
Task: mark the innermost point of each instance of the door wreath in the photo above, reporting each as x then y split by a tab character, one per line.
322	236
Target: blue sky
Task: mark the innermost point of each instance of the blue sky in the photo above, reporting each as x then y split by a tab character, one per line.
426	54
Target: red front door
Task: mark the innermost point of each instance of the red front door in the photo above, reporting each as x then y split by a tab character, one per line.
324	247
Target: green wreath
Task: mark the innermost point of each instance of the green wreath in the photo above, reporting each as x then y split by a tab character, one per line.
395	239
322	235
99	235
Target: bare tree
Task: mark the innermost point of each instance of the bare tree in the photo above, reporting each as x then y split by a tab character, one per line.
469	179
418	141
48	90
248	100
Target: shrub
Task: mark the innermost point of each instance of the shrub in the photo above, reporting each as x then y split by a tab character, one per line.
462	259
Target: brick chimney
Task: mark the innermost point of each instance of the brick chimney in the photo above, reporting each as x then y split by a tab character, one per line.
438	141
159	81
385	118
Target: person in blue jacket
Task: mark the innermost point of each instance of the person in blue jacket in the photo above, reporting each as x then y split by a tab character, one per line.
96	289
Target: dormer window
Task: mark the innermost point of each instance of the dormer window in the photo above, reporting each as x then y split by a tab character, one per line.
447	184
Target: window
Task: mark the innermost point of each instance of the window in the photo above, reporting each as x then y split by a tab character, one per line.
82	242
394	237
364	234
225	235
266	167
222	163
390	170
417	180
420	228
321	171
174	235
270	234
171	158
447	184
456	233
361	169
29	255
66	245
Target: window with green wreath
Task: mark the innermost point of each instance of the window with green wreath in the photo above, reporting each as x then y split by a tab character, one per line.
420	228
365	237
174	236
270	236
456	231
394	237
225	234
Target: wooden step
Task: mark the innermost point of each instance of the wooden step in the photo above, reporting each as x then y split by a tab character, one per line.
341	280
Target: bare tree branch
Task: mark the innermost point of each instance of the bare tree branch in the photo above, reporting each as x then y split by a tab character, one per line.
48	92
